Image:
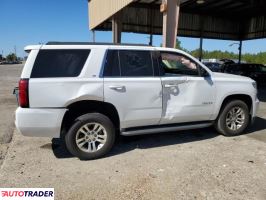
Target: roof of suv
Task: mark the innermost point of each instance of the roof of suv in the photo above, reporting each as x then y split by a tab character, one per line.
84	45
94	43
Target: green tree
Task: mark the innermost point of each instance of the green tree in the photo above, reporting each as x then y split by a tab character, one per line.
11	57
259	58
178	46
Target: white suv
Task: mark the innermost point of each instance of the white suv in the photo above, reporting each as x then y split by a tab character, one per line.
87	93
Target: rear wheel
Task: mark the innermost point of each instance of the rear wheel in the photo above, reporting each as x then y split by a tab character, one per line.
91	136
233	119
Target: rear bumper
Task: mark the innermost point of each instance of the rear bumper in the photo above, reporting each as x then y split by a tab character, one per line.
39	122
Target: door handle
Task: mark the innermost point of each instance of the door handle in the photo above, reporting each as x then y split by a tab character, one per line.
117	87
170	85
174	84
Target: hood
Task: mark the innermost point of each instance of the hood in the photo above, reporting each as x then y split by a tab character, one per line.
232	76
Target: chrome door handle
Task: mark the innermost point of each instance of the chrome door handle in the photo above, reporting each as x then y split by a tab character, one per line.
175	84
170	85
117	87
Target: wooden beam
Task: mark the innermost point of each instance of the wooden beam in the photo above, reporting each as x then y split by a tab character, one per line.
170	23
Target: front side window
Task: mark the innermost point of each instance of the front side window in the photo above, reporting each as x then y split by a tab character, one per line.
59	63
176	64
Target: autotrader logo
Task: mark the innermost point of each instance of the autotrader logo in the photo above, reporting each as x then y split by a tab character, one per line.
27	193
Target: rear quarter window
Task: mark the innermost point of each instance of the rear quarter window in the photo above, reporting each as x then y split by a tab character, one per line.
59	63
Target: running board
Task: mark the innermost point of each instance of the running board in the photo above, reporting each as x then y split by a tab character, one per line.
160	129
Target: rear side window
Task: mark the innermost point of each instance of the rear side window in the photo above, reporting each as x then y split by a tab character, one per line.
129	63
59	63
135	63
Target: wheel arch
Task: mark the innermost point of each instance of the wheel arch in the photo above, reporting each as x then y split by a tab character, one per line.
243	97
76	109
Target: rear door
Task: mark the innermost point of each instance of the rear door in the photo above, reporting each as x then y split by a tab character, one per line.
132	85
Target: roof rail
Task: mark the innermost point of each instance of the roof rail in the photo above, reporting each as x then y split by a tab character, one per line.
93	43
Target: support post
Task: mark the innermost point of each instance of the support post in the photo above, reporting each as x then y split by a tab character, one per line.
151	38
151	26
240	51
170	22
93	35
200	49
201	39
117	27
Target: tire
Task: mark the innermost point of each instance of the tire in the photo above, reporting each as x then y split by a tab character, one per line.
92	143
230	115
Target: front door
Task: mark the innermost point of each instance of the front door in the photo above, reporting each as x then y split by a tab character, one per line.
187	96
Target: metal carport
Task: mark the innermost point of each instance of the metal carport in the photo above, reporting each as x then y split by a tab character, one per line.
216	19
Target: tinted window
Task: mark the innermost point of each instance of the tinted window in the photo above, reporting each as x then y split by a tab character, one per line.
235	68
59	63
155	62
261	68
135	63
257	68
176	64
112	67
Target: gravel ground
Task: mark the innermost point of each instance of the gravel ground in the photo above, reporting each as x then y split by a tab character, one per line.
198	164
9	75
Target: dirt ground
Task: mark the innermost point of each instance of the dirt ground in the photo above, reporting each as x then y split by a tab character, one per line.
197	164
9	75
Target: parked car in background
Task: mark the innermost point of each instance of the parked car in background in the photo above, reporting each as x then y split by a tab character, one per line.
255	71
227	61
9	62
213	66
17	62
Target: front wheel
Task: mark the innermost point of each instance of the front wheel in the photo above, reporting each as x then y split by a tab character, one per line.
233	119
91	136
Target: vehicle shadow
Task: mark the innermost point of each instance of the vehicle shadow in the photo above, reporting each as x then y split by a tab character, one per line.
258	125
262	93
125	144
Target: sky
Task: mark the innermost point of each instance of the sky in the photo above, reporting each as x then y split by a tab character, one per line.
26	22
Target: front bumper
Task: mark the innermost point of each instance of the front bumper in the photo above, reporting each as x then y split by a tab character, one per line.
39	122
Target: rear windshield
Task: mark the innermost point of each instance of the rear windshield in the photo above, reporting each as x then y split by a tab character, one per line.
59	63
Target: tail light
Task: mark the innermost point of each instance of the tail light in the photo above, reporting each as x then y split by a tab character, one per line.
23	93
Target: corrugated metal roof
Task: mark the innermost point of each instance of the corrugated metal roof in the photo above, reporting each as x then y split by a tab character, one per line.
100	10
218	19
